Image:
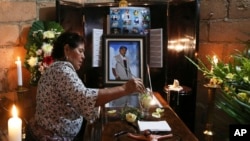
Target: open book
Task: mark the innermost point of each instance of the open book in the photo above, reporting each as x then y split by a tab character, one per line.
161	126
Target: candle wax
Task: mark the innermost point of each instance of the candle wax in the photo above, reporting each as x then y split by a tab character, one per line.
19	72
14	126
15	129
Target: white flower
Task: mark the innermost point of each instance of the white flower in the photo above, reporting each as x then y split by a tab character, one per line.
39	52
48	34
47	49
130	117
230	76
246	79
32	61
238	68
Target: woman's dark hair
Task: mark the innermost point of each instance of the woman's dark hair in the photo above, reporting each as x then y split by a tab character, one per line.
70	38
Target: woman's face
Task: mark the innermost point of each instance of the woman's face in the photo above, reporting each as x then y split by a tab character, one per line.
75	56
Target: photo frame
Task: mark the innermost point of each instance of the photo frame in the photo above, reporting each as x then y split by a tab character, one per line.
118	69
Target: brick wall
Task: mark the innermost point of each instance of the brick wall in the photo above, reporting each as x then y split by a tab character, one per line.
221	23
16	18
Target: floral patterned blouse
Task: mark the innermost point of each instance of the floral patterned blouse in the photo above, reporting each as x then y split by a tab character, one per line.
63	100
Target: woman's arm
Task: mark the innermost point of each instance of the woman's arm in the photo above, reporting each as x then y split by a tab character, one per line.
108	94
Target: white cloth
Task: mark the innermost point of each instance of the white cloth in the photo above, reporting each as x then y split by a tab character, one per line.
154	125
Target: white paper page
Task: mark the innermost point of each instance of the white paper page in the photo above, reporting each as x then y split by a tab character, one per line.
154	125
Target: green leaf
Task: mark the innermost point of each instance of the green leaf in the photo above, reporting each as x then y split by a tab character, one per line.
235	78
53	25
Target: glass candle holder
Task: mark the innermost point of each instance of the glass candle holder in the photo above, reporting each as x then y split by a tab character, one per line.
145	101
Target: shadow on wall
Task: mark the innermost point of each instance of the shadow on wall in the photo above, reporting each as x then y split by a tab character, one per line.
47	14
3	80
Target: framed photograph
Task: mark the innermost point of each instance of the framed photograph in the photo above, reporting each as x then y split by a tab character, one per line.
124	58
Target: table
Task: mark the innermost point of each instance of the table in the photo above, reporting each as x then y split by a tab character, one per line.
173	95
107	125
182	101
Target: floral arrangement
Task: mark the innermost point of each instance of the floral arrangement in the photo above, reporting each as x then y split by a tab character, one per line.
131	114
131	117
39	47
234	80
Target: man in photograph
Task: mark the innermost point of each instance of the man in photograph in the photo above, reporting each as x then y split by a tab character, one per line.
120	65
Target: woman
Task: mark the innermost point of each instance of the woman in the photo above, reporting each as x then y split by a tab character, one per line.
63	102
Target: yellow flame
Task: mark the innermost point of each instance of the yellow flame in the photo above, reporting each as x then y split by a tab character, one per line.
215	59
14	111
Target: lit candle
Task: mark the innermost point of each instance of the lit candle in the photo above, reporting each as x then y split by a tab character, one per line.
15	126
19	72
215	60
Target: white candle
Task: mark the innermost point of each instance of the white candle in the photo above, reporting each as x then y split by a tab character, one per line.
19	72
14	126
215	60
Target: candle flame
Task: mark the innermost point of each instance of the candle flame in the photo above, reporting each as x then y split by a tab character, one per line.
14	111
152	102
18	60
215	60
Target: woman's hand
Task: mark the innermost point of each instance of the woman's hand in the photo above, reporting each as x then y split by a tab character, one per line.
108	94
134	85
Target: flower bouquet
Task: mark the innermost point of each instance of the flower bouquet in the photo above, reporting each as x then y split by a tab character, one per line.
130	114
234	80
39	47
